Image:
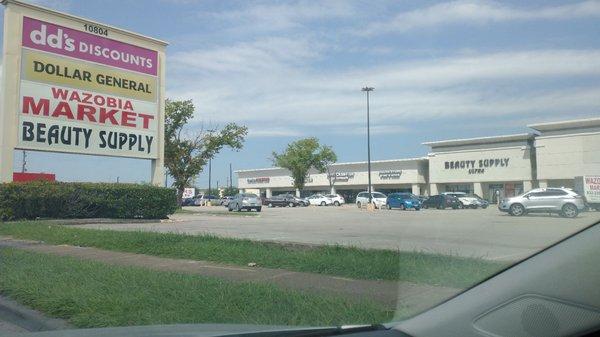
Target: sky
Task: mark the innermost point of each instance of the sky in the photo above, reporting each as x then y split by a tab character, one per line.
295	69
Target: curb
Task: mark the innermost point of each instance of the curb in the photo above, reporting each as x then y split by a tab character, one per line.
28	319
97	221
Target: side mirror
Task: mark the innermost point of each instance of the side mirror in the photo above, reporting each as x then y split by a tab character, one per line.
527	197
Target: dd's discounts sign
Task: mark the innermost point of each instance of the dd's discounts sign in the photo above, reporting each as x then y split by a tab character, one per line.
81	87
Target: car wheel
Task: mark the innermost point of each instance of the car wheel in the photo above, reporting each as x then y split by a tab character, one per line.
484	206
229	209
402	207
323	203
336	203
358	205
291	204
516	210
569	211
270	205
425	206
460	206
417	208
258	209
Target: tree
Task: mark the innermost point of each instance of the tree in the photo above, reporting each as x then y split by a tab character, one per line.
230	191
331	173
186	154
213	191
302	155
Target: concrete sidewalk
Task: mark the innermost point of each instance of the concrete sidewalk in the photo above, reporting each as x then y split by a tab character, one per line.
16	318
391	294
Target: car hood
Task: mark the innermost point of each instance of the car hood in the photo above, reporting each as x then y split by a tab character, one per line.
186	330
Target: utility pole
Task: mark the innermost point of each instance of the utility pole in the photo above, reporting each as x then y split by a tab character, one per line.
209	175
230	177
368	90
24	162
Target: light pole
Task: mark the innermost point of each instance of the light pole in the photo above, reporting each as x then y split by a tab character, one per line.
368	90
209	176
230	177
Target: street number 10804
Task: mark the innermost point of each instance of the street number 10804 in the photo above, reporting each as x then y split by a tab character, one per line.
96	29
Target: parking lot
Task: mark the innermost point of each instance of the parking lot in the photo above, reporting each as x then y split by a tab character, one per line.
487	233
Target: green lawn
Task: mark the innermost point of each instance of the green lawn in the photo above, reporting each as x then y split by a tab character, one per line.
92	294
332	260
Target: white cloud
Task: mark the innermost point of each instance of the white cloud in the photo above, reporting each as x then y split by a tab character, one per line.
258	131
271	17
247	57
271	85
478	12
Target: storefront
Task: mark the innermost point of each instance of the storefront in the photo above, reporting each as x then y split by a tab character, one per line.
346	179
565	150
490	167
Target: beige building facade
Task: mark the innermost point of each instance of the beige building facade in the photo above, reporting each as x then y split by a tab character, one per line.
565	150
488	166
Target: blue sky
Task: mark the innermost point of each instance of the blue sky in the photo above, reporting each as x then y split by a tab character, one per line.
292	69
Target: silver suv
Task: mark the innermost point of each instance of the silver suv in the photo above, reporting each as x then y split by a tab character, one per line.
247	201
547	200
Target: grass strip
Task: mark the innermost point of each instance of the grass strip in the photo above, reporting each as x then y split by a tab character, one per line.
417	267
92	294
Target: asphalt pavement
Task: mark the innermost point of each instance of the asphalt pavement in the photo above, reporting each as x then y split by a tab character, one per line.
485	233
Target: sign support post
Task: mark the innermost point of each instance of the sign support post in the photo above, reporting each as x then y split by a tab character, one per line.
10	94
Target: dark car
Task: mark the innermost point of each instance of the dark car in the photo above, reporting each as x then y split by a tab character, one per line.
442	202
284	200
403	201
187	202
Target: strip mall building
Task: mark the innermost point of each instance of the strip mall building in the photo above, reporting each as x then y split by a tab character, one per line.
550	156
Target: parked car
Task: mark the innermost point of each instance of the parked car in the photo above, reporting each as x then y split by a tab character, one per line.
320	200
225	200
442	201
337	199
247	201
302	201
203	200
187	202
379	199
469	200
403	201
563	201
284	200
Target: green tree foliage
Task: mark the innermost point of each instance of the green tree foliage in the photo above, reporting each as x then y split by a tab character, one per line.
186	154
230	191
302	155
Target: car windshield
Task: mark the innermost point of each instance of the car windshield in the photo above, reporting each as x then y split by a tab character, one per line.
228	163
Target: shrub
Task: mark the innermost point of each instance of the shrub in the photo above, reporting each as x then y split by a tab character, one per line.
42	199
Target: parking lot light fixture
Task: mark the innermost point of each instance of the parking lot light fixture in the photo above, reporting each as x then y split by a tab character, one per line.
368	90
